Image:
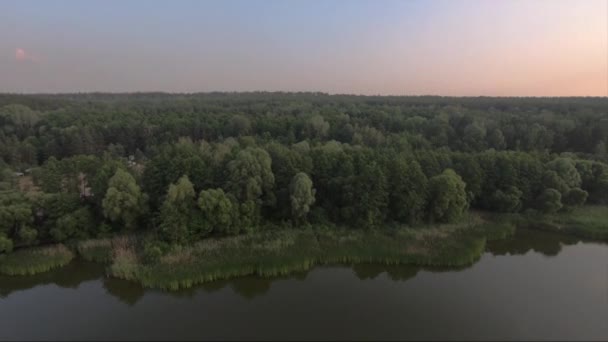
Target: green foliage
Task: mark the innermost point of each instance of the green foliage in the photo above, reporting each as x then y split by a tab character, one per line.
71	166
280	252
507	201
6	244
27	235
124	201
97	250
153	251
448	199
550	201
77	224
575	197
35	260
250	181
566	170
302	196
217	210
250	174
176	211
408	191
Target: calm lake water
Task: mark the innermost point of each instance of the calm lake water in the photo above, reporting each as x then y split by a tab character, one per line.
534	286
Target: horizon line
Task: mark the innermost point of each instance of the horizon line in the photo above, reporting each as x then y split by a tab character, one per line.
286	92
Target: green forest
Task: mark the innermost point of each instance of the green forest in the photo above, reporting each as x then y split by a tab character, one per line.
179	169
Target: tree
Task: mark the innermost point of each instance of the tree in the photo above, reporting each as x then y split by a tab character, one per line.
407	190
317	127
448	198
552	180
27	235
250	181
250	174
566	170
217	211
124	201
176	215
49	176
474	137
507	201
366	192
575	197
550	201
496	139
6	244
302	196
238	125
15	214
77	224
171	162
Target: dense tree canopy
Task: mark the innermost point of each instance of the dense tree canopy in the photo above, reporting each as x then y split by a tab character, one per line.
190	166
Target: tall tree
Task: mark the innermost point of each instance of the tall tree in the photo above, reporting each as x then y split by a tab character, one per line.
301	195
448	198
177	212
124	201
217	211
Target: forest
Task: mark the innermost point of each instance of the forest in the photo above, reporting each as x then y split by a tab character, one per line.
182	168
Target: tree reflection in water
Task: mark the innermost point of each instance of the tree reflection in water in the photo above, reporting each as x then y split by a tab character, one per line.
249	287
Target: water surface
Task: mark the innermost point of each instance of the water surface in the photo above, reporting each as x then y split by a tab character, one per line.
534	286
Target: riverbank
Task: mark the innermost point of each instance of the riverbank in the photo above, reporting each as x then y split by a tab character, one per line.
590	222
275	252
35	260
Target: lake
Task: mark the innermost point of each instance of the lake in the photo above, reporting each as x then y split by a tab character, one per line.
534	286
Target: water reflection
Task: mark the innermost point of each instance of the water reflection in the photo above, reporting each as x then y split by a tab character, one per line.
394	272
70	276
129	293
126	291
525	240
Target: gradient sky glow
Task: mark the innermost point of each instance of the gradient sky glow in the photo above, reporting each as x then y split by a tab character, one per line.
404	47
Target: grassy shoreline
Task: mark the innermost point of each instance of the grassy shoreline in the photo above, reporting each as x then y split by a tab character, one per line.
281	252
276	253
35	260
589	222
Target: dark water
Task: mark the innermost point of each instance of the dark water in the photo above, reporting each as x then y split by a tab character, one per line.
535	286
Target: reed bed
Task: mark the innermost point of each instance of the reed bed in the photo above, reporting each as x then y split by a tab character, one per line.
586	222
100	250
277	253
35	260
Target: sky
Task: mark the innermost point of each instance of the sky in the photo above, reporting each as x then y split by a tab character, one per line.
372	47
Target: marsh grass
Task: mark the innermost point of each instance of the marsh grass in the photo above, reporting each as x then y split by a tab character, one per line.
586	222
498	231
125	260
589	222
100	250
278	253
35	260
97	250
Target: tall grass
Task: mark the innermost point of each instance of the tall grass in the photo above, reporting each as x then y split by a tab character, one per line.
100	250
589	222
35	260
125	261
586	222
276	253
97	250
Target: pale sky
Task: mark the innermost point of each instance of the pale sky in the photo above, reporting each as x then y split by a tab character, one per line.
448	47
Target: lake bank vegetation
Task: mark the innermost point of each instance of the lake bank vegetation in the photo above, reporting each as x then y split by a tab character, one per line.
141	180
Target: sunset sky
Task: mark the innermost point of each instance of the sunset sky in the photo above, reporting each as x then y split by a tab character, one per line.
452	47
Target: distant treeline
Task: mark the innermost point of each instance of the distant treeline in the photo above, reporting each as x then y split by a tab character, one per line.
187	166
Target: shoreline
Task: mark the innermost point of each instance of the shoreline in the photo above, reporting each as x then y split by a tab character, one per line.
282	252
